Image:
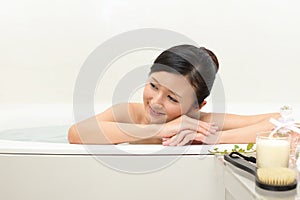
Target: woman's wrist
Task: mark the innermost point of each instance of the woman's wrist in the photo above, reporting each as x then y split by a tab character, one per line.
162	131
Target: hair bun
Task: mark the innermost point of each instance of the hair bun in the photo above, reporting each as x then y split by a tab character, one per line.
212	56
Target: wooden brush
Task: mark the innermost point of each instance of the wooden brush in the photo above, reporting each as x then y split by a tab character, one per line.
275	178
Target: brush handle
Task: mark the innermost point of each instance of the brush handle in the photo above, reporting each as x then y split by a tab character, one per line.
248	167
235	154
242	164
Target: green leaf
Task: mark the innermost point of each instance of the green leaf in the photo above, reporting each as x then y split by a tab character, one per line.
241	150
249	146
236	148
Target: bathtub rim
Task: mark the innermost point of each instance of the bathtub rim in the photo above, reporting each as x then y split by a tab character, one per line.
44	148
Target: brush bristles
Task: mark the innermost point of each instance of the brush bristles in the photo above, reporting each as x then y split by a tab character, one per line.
278	176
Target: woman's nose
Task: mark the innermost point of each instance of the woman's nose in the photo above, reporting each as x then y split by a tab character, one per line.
157	99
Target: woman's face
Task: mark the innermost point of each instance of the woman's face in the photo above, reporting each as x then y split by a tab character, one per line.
167	96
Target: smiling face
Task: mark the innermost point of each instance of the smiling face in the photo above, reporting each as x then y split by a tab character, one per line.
167	96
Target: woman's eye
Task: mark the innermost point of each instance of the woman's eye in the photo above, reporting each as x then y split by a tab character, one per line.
153	86
172	99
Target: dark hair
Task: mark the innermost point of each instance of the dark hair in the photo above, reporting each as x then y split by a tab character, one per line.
199	65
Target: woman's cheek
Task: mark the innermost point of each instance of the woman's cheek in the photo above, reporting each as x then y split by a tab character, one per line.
147	93
173	112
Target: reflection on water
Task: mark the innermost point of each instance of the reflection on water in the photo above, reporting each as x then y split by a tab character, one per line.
53	134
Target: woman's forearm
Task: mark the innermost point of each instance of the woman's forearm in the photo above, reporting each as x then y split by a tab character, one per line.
92	131
246	134
233	121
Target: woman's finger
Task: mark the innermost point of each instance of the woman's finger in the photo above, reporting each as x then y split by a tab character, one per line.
211	139
187	139
202	127
204	132
179	137
200	137
166	142
212	130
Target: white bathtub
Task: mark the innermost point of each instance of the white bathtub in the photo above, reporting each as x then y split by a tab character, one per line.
42	170
39	170
33	170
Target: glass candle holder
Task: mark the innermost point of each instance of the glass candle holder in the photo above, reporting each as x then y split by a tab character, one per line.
294	145
272	151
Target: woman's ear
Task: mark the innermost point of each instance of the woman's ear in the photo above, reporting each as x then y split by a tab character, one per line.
195	110
202	104
198	107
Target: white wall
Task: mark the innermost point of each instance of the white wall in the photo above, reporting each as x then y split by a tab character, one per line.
44	44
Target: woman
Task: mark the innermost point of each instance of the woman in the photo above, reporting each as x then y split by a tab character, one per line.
179	81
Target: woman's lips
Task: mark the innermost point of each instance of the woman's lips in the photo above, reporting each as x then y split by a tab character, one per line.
154	112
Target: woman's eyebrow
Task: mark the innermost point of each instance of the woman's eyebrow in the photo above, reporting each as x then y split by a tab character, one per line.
167	88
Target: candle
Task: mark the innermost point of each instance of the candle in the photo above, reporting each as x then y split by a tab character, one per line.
272	151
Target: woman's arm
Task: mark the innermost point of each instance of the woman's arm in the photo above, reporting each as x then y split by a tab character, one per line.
114	125
234	129
120	124
91	131
233	121
245	134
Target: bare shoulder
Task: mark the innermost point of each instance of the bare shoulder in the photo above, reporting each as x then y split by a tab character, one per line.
123	112
136	111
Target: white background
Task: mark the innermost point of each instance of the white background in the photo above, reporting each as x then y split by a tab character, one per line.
44	44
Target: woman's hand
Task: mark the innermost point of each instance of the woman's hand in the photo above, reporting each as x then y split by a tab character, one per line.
185	129
188	137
